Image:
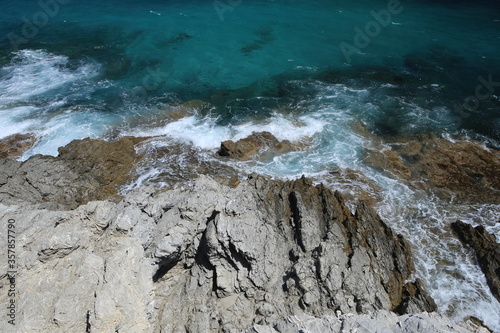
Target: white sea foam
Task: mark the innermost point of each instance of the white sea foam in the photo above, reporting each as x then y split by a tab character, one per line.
58	131
205	133
17	120
34	72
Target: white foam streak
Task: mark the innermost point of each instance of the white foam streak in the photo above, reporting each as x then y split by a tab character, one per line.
15	121
34	72
60	130
205	133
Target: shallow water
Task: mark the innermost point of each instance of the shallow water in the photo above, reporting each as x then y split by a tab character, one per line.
297	69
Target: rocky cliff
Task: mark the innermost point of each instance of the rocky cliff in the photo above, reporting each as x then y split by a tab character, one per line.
206	258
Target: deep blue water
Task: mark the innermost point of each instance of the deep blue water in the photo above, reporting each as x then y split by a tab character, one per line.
72	69
428	58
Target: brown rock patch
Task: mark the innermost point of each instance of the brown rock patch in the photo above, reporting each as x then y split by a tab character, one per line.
467	169
260	145
85	170
387	160
108	163
15	145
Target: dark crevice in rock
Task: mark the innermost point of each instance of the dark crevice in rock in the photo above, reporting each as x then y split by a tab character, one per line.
349	246
214	280
292	256
327	218
296	220
26	179
290	275
213	216
164	267
359	308
415	299
316	254
88	326
143	210
201	256
238	257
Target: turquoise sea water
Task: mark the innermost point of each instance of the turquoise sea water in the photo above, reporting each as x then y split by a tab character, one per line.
70	70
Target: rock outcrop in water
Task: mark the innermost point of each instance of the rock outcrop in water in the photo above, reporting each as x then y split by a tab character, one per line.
487	251
464	169
260	145
467	169
15	145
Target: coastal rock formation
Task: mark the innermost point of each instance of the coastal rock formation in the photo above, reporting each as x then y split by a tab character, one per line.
85	170
261	145
15	145
487	251
209	258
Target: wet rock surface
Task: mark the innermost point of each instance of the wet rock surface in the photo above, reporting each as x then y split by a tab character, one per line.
465	170
487	251
228	258
259	145
15	145
180	163
353	185
387	160
468	169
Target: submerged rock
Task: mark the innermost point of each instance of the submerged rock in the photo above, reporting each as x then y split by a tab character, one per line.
15	145
487	251
464	170
353	185
228	258
387	160
257	145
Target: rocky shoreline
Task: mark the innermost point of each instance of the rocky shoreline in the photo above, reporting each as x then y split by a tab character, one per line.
218	255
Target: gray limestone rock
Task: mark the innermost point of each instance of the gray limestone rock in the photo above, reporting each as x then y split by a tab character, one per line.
380	321
209	259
